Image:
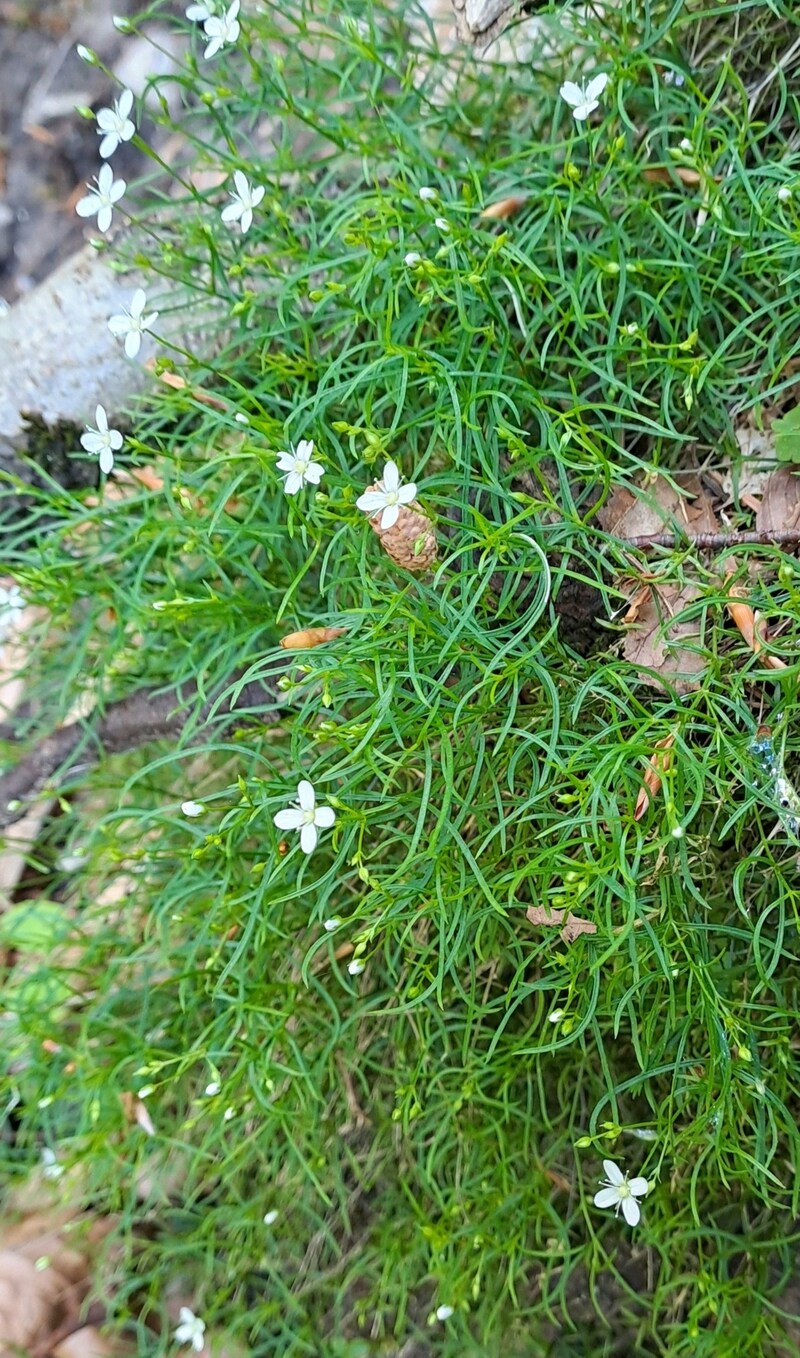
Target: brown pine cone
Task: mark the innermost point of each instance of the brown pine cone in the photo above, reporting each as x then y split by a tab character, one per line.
411	543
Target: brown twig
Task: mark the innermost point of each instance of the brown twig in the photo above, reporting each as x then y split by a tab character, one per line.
714	542
147	714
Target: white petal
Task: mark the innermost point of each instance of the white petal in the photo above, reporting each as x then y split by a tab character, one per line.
125	103
257	194
390	516
631	1211
100	419
213	47
407	493
289	819
247	219
293	483
579	114
391	476
285	462
91	441
186	1315
106	119
324	816
572	93
304	449
147	322
133	343
314	473
105	178
138	302
117	190
305	795
198	1342
119	326
308	838
595	87
87	207
106	460
613	1172
104	217
242	185
232	212
607	1197
638	1187
371	501
115	439
109	144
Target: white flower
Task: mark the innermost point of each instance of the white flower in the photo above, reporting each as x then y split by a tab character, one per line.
228	1114
427	194
241	418
784	193
192	808
213	1088
620	1191
270	1218
245	198
114	124
412	259
191	1330
100	201
388	498
121	24
307	817
86	54
555	1015
444	1312
51	1169
583	99
356	966
132	324
102	442
331	925
11	605
685	145
299	466
221	29
442	223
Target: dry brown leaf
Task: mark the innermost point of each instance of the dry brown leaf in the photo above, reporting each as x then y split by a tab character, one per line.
661	174
657	766
780	504
88	1342
309	637
550	919
179	383
656	508
749	623
658	642
502	209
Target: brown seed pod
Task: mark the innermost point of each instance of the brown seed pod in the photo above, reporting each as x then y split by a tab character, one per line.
502	209
309	637
411	542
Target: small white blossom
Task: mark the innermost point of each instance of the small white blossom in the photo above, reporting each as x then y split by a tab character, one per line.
583	99
784	193
193	808
100	201
11	605
412	259
121	24
132	324
306	817
331	925
427	194
114	124
555	1015
51	1169
191	1330
300	468
619	1191
388	498
356	966
245	197
86	54
270	1218
213	1088
678	832
228	1114
240	418
686	146
444	1312
102	442
442	223
221	30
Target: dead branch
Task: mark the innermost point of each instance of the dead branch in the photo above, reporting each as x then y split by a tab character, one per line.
713	542
148	714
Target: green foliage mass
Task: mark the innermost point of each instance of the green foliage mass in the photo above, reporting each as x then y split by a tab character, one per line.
430	1131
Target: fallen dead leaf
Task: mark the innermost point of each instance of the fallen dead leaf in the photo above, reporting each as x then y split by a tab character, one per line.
656	508
550	919
88	1342
780	502
663	174
502	209
657	766
663	645
748	622
309	637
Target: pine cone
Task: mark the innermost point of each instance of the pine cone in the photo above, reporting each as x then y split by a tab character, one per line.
411	543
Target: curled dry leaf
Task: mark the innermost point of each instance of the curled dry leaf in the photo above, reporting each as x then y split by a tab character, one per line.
663	174
749	623
664	645
780	503
309	637
502	209
571	929
657	766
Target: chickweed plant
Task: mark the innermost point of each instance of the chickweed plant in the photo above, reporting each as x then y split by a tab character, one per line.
380	1098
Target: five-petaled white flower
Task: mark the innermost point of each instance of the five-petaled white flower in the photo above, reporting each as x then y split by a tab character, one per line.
191	1330
131	324
619	1191
115	124
583	99
101	200
11	605
389	496
307	817
245	198
102	442
221	29
299	467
